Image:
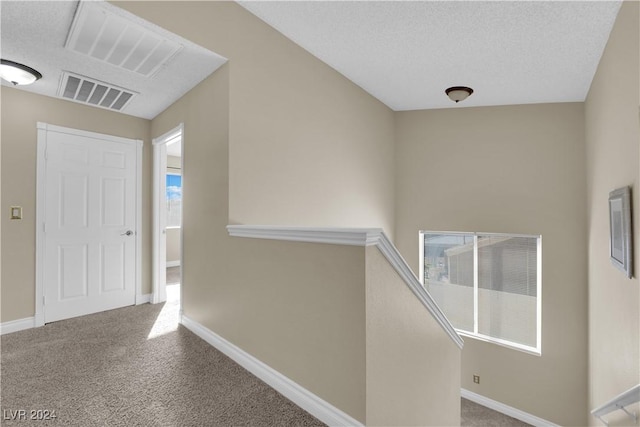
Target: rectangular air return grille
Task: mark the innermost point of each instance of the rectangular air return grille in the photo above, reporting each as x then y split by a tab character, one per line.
94	92
103	35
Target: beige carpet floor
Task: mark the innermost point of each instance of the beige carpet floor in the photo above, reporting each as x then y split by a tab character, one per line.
474	415
136	366
133	367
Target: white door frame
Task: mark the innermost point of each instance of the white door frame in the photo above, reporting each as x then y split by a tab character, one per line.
159	292
40	208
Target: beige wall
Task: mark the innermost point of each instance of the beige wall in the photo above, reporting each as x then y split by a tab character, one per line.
413	367
173	245
299	308
516	169
204	112
319	151
272	299
277	137
612	135
268	300
306	146
20	112
1	207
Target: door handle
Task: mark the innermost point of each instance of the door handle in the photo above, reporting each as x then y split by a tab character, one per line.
127	233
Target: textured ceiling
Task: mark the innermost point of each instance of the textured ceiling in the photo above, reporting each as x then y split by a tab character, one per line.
406	53
34	33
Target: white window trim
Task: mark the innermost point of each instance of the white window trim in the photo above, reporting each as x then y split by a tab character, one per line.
536	351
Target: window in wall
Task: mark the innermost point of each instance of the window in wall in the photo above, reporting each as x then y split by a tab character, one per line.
488	285
174	200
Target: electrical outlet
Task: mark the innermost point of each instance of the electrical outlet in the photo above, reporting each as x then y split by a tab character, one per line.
476	379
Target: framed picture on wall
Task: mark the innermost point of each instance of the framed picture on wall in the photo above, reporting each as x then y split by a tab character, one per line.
620	243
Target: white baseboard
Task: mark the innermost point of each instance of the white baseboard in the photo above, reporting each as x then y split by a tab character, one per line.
143	299
506	409
38	320
17	325
173	263
302	397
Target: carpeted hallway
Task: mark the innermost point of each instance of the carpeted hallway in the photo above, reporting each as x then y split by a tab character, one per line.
474	415
136	366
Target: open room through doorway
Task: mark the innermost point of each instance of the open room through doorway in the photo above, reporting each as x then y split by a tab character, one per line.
167	266
173	180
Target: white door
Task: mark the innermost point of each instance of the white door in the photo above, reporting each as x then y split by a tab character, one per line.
89	232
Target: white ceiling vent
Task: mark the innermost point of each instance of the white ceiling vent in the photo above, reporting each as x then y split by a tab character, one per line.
98	32
94	92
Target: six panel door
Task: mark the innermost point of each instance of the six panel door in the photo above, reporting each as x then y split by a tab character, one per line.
89	260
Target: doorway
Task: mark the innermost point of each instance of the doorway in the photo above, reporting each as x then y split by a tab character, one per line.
167	215
88	215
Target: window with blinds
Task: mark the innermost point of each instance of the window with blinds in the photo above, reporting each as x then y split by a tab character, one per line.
488	285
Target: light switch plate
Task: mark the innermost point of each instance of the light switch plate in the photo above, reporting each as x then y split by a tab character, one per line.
16	212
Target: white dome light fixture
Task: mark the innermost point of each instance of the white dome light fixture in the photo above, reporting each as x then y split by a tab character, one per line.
18	74
458	93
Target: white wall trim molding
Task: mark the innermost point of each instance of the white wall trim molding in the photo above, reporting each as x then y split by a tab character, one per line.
41	147
39	320
506	409
32	322
143	299
353	237
173	263
17	325
139	144
85	133
402	268
335	236
302	397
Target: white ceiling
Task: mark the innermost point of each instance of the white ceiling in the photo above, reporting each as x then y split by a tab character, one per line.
406	53
34	33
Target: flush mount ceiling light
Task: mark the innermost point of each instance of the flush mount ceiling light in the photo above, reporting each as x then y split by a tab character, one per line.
458	93
18	74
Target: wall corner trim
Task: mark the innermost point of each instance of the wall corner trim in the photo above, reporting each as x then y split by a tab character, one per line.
506	409
353	237
302	397
143	299
334	236
17	325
